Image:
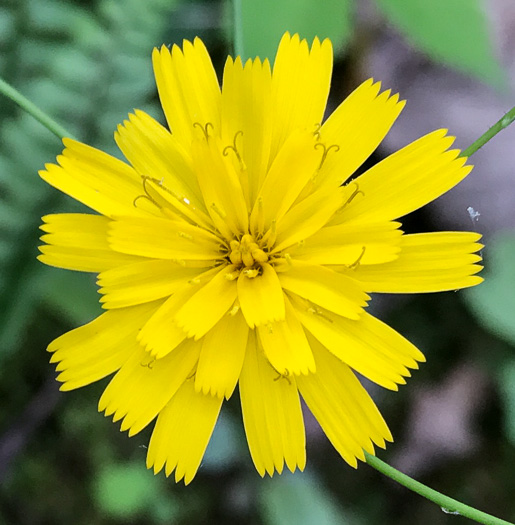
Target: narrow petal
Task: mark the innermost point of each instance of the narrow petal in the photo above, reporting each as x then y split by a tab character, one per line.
162	239
99	348
161	334
326	288
188	88
247	119
271	415
78	241
221	357
300	85
261	299
407	179
182	432
351	243
156	153
101	182
427	262
357	127
285	345
367	345
144	281
293	167
206	307
143	386
221	187
308	217
345	411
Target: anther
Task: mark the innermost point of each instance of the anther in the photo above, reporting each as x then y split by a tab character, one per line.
232	276
234	310
194	281
251	273
218	211
185	236
287	256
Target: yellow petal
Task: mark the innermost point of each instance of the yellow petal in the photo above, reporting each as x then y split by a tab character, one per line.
99	348
156	153
221	357
345	411
407	179
271	415
163	239
357	127
307	217
261	299
325	287
300	85
182	432
203	310
291	170
221	187
351	244
247	119
188	88
96	179
427	262
78	241
143	386
367	345
142	282
285	345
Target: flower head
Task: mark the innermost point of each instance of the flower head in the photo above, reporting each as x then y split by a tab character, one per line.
233	250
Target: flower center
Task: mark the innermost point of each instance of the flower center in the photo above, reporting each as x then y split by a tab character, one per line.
246	252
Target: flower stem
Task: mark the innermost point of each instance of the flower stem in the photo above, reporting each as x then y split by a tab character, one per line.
447	504
33	110
502	123
238	29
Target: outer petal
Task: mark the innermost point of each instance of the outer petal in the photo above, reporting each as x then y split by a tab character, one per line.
343	407
367	345
300	85
428	262
247	119
182	432
96	179
155	153
143	386
271	414
221	358
78	241
188	88
357	127
100	347
143	281
408	179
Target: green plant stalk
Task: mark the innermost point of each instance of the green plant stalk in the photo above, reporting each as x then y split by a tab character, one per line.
447	504
238	29
33	110
501	124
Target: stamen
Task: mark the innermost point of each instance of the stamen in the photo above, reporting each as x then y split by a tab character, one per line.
315	310
186	236
284	375
235	309
352	196
233	147
218	211
251	273
232	276
326	151
287	256
194	281
150	364
316	133
205	128
356	263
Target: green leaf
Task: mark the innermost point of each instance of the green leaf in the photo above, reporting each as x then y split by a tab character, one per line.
124	491
299	499
493	301
264	23
454	32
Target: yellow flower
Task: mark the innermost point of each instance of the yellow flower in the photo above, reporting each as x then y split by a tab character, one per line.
234	250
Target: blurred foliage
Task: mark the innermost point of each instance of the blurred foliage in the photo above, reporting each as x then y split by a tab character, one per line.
87	63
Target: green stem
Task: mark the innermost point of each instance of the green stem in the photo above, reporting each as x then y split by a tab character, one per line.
447	504
502	123
238	29
33	110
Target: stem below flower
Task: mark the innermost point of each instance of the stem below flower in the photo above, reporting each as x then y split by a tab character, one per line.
447	504
502	123
33	110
